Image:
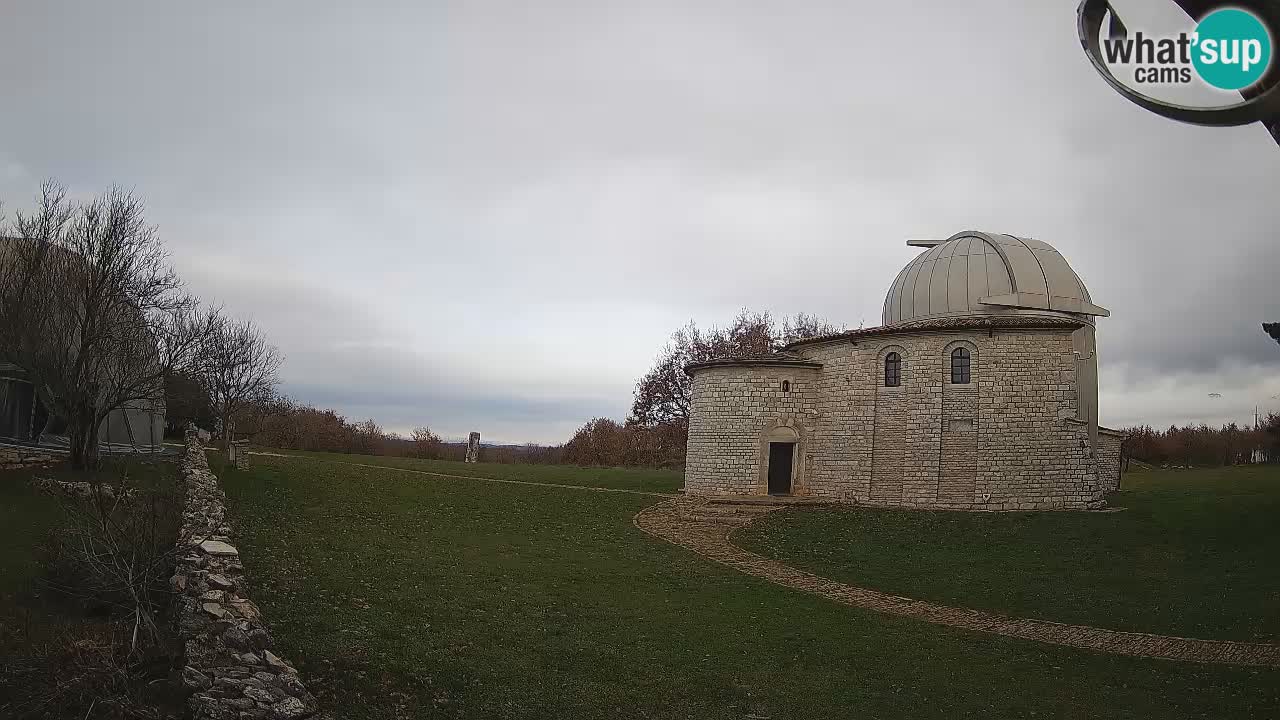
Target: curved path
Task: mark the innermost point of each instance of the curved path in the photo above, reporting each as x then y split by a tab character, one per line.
668	522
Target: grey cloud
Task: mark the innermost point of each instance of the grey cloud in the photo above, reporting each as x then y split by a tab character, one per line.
494	213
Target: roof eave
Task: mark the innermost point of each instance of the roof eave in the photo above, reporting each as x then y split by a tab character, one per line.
993	322
692	368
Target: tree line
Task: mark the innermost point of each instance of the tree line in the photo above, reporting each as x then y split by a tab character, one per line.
287	424
1202	445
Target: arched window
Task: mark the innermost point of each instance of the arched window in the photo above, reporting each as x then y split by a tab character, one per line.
786	386
960	366
892	370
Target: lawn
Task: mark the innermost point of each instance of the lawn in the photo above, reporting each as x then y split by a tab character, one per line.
643	479
1193	553
403	595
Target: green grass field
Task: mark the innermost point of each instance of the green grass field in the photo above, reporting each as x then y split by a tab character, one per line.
405	595
643	479
1194	553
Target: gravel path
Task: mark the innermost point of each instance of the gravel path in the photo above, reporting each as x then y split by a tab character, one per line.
669	521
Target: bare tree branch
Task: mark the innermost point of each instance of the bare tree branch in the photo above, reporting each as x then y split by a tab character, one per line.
238	368
662	396
92	310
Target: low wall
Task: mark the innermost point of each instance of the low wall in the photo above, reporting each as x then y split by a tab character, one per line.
230	664
12	458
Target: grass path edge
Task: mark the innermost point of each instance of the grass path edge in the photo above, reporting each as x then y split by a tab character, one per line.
712	541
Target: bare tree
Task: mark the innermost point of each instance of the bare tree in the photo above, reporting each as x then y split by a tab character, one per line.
238	367
366	437
426	444
91	309
187	401
804	326
663	395
118	548
600	442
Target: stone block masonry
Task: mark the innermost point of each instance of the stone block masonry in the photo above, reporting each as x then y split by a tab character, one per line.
1009	439
735	409
1110	447
230	663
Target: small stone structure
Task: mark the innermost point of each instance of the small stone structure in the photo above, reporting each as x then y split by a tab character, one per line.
1110	455
230	664
238	453
979	392
473	448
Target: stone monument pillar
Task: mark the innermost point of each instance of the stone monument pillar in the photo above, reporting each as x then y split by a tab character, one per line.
473	447
239	453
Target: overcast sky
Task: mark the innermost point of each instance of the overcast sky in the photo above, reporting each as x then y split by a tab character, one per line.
490	216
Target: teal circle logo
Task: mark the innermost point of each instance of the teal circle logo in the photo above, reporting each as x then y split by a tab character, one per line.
1232	49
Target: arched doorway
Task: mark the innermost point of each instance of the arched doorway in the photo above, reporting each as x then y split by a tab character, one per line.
781	444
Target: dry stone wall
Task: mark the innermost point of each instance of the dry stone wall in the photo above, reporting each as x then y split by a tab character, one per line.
231	666
12	458
1007	440
77	489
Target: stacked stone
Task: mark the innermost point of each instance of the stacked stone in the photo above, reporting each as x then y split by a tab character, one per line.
84	490
230	666
17	458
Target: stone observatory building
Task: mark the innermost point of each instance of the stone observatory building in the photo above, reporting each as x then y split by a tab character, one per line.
978	392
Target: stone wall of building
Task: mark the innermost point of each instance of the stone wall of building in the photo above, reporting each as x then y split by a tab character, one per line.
1110	455
1033	456
230	667
1004	441
958	452
734	408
